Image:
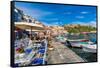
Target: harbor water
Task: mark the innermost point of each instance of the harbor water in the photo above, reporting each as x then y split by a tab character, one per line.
87	56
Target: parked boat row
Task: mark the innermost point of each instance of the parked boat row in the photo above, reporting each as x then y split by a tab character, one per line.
87	44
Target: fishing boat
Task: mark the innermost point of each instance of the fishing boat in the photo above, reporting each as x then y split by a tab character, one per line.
76	43
85	39
61	39
91	47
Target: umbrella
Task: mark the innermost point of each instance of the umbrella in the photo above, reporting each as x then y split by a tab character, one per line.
35	30
26	25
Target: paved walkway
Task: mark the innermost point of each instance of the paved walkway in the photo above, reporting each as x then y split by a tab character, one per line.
62	54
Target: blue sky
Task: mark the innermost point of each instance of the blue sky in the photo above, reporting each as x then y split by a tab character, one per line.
54	14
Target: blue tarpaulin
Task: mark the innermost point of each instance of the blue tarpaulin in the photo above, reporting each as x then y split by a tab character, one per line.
37	61
93	40
41	51
42	47
28	50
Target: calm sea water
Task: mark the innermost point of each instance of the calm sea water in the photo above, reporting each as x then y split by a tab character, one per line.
89	57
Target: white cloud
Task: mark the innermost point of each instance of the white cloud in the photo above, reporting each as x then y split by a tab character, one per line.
80	17
84	12
93	23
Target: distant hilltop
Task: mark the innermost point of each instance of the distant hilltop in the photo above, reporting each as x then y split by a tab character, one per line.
76	25
77	28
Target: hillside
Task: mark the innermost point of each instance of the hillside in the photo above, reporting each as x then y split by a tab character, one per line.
79	28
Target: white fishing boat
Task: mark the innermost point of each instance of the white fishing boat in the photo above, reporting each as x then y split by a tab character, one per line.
77	43
61	39
90	48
